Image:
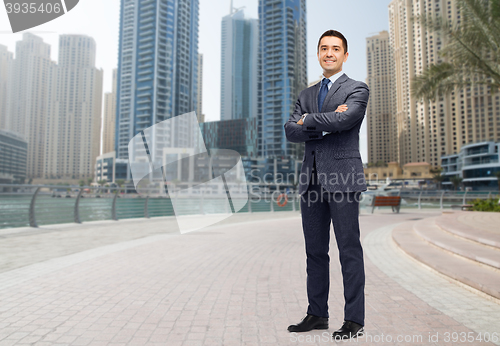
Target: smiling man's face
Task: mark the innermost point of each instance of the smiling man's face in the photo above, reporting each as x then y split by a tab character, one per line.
331	55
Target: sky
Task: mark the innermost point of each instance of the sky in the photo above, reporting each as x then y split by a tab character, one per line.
357	20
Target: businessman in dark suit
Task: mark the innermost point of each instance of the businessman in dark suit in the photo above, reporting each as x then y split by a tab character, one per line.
327	117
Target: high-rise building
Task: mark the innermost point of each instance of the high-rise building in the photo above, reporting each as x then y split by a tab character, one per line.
13	157
380	116
239	54
157	67
29	97
74	114
429	130
199	107
108	133
5	70
283	70
239	135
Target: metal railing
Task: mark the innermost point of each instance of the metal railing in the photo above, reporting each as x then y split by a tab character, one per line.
36	205
440	198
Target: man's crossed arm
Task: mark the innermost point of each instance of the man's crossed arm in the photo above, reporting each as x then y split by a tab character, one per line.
340	109
294	130
314	126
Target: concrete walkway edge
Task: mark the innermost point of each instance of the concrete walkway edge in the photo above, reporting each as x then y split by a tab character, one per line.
429	286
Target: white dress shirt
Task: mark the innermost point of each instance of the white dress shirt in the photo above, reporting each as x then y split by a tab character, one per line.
333	79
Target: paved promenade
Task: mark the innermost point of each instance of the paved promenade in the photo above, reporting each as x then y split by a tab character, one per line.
240	282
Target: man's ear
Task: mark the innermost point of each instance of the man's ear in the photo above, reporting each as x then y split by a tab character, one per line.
346	55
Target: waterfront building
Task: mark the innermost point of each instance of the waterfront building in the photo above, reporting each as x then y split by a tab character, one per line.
27	108
240	135
389	171
108	133
109	168
477	164
451	166
157	68
6	61
416	171
429	130
74	112
381	126
282	71
239	54
13	158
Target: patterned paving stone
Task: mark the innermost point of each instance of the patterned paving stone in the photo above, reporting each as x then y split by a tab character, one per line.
239	283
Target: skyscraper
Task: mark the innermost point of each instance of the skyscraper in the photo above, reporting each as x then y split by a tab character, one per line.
74	113
157	67
108	133
239	54
429	130
283	70
199	107
5	70
380	116
28	98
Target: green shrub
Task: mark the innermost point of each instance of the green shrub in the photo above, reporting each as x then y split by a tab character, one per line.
486	205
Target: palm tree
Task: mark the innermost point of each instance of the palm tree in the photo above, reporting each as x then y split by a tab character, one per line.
472	55
456	181
438	178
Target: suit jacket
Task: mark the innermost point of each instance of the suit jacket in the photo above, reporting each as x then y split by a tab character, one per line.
338	162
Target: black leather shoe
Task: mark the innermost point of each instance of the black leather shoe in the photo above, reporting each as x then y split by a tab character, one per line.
348	330
309	322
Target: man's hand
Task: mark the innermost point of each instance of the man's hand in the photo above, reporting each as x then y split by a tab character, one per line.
341	109
301	120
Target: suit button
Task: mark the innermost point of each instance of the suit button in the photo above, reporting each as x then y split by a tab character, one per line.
312	152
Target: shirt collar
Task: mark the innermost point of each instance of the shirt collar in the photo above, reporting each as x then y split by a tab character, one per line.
334	78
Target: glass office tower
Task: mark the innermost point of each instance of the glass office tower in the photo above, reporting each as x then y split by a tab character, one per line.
157	67
283	70
239	49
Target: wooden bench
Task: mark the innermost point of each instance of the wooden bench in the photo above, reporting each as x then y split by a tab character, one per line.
387	201
464	207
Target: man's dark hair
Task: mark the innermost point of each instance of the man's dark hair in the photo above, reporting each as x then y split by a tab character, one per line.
334	33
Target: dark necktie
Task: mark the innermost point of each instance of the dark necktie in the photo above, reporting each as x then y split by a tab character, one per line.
323	92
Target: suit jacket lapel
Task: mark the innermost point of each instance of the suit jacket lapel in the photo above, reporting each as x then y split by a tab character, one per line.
316	93
334	89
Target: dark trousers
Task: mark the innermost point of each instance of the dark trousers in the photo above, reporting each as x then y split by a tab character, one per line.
318	208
